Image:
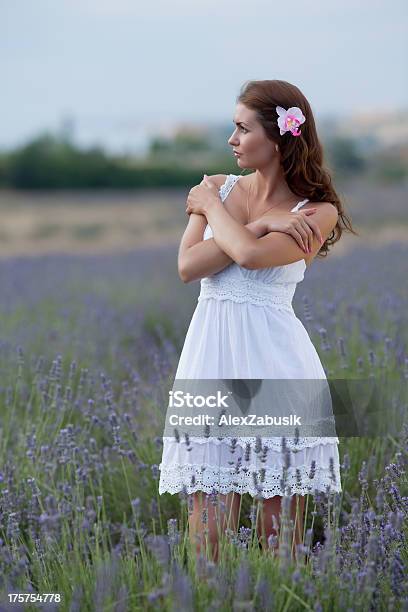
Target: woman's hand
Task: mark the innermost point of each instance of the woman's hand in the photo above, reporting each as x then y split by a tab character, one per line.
202	196
297	224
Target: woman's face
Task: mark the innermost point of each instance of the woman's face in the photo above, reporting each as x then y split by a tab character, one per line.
250	141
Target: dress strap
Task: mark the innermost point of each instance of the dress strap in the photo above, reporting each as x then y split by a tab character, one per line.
228	185
299	204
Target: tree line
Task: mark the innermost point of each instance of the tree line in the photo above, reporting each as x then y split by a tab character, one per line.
54	162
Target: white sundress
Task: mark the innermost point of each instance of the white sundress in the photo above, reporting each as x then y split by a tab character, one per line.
244	327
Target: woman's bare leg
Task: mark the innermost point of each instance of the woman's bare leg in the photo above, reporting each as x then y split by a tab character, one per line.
207	520
272	506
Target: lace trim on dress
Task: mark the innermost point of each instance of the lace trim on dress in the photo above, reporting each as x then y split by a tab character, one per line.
266	483
248	290
228	185
299	204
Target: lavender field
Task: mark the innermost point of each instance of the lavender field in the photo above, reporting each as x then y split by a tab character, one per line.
88	347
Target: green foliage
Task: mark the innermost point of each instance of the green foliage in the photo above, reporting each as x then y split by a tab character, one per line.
183	142
344	156
54	162
50	162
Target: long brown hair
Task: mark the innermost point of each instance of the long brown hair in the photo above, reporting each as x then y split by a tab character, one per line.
301	156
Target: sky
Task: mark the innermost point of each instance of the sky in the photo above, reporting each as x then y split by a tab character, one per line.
121	69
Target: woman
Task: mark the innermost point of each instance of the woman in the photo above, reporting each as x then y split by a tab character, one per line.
249	239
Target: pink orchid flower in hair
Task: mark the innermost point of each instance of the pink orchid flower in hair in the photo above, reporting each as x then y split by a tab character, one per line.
290	119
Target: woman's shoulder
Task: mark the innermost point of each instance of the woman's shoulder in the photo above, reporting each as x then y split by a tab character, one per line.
219	179
231	179
327	210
